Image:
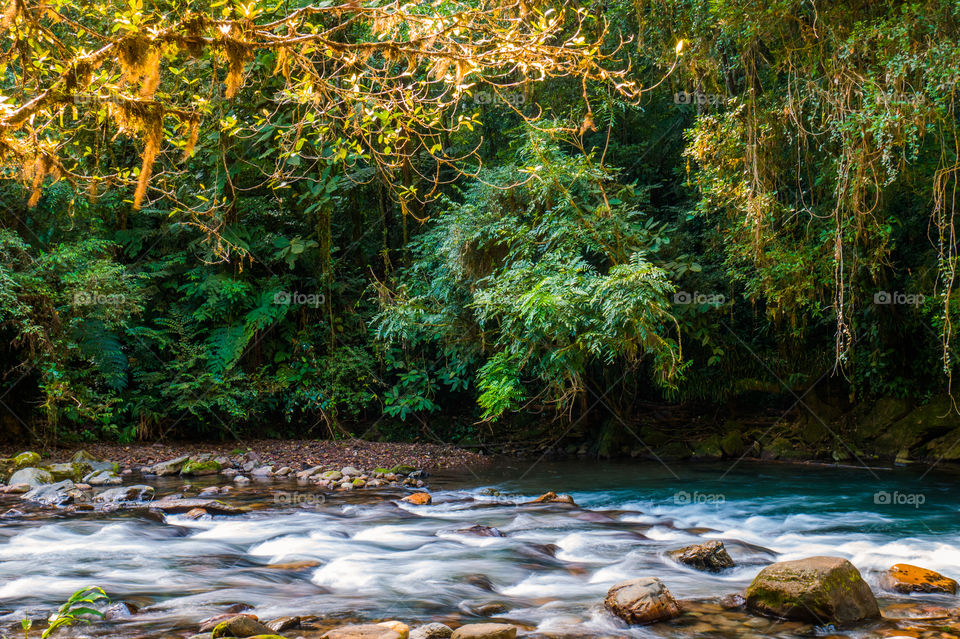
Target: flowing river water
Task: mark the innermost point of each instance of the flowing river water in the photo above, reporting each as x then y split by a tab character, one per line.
365	556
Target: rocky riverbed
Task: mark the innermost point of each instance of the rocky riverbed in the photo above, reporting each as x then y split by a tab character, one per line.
186	550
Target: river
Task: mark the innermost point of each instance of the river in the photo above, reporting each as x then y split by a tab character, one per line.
364	555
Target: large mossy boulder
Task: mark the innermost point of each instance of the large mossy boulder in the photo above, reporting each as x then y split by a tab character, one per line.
641	601
816	589
74	471
26	459
200	468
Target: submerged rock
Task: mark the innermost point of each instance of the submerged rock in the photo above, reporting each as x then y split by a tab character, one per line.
480	531
485	631
418	499
710	556
120	610
817	589
54	494
213	506
905	578
641	601
31	476
138	492
431	631
385	630
283	623
553	498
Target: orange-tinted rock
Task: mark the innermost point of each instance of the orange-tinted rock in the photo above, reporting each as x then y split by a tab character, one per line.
906	578
418	499
553	498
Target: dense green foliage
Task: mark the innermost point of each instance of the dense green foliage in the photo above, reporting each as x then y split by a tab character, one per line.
775	205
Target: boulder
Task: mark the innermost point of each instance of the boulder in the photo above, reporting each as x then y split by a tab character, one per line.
817	589
200	468
485	631
31	477
138	492
431	631
171	466
418	499
26	459
240	626
53	494
283	623
641	601
385	630
350	471
73	472
553	498
710	556
905	578
103	478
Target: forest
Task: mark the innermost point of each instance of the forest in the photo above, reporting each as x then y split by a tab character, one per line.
473	222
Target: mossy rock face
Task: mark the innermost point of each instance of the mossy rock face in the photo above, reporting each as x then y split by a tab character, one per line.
946	448
732	444
199	468
884	413
674	450
777	449
26	459
932	420
818	589
709	448
241	626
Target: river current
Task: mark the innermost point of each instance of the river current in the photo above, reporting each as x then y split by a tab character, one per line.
364	555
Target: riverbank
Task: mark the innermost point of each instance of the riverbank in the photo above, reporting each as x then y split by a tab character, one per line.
295	454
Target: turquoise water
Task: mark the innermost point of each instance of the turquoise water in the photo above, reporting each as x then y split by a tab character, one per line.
368	556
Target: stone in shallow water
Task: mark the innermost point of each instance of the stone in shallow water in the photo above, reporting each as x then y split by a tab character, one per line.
418	499
710	556
283	623
431	631
212	506
120	610
240	626
171	466
817	589
641	601
905	578
480	531
485	631
31	477
385	630
53	494
553	498
138	492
